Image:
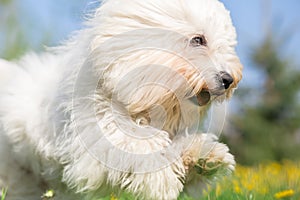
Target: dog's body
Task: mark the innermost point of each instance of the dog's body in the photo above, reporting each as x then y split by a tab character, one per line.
113	107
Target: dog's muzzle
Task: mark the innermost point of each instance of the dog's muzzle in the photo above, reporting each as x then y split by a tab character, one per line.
204	96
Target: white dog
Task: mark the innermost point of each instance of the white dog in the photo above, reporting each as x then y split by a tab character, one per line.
119	107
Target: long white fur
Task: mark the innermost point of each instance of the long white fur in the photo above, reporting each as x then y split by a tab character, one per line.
59	130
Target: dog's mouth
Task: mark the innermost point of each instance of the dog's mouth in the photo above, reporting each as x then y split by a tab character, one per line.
206	95
203	97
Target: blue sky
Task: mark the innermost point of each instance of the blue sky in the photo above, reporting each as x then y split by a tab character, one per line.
59	18
252	18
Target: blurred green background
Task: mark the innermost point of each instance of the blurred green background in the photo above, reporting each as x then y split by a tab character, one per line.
264	121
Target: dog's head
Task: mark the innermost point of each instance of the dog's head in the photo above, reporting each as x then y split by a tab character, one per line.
169	55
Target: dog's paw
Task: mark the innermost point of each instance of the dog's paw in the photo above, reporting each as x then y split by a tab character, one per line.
218	161
207	157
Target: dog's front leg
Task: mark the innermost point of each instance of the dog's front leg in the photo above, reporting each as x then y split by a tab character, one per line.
137	157
118	152
204	159
150	169
166	167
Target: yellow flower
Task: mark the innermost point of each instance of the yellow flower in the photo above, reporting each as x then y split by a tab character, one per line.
113	197
49	194
283	194
237	189
218	190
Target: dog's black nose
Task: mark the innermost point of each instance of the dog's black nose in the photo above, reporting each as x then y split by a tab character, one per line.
226	79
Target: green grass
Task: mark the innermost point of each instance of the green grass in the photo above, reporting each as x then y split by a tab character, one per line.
269	181
3	193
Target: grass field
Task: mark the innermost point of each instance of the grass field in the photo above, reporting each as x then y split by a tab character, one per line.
264	182
268	181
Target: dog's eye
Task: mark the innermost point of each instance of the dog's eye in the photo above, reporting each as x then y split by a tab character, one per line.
198	40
